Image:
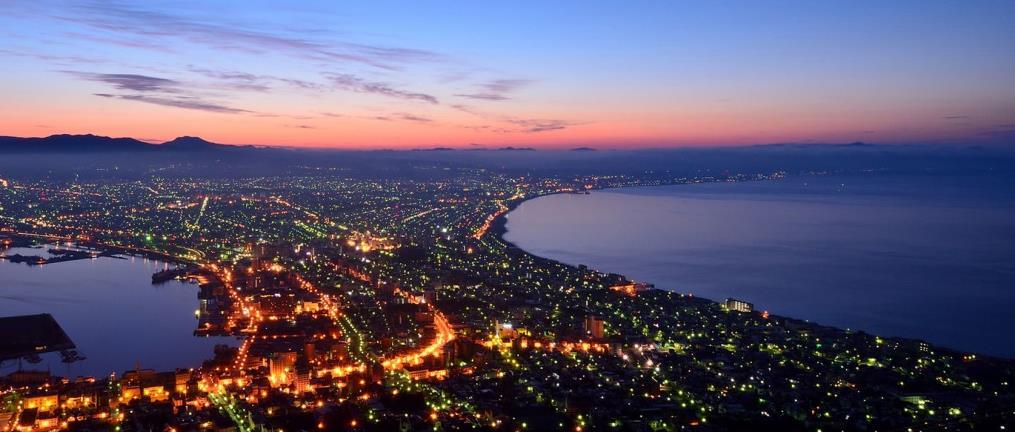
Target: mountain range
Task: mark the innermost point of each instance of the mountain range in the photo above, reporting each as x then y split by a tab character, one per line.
101	144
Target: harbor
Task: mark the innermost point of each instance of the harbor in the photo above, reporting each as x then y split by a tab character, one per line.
118	311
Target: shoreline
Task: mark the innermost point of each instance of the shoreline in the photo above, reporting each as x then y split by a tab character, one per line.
98	246
499	228
499	225
128	274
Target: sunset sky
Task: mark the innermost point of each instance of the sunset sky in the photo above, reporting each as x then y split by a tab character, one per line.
548	74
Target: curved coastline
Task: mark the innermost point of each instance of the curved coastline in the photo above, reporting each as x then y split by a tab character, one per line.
499	225
499	228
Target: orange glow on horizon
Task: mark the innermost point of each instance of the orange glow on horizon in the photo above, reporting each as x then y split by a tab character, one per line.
678	128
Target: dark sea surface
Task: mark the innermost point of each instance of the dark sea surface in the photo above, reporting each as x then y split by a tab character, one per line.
111	311
918	256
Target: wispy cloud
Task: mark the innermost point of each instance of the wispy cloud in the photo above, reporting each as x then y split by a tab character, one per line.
1003	131
157	29
505	85
56	59
154	90
303	84
235	80
403	116
515	124
497	90
414	118
185	102
537	125
132	82
356	84
484	96
327	62
238	80
129	42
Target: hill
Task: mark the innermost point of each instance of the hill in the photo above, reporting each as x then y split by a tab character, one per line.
101	144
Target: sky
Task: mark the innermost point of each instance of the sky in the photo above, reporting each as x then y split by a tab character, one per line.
560	74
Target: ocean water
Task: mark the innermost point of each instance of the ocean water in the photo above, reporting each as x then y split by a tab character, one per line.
917	256
111	311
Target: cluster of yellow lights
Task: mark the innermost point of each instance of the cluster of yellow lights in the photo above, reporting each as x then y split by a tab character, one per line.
445	334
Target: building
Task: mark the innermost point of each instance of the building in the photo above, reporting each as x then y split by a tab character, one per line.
280	367
181	381
277	304
594	326
45	402
739	305
631	289
301	378
505	331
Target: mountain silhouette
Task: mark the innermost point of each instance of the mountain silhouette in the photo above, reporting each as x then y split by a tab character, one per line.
191	143
101	144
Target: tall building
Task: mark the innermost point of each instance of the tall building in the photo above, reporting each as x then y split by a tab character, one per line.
281	366
301	378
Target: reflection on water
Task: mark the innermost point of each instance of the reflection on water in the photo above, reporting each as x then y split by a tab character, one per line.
914	256
111	311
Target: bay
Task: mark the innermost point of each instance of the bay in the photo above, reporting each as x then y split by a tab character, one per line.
111	310
918	256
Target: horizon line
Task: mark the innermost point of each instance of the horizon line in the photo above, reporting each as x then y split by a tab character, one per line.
526	148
